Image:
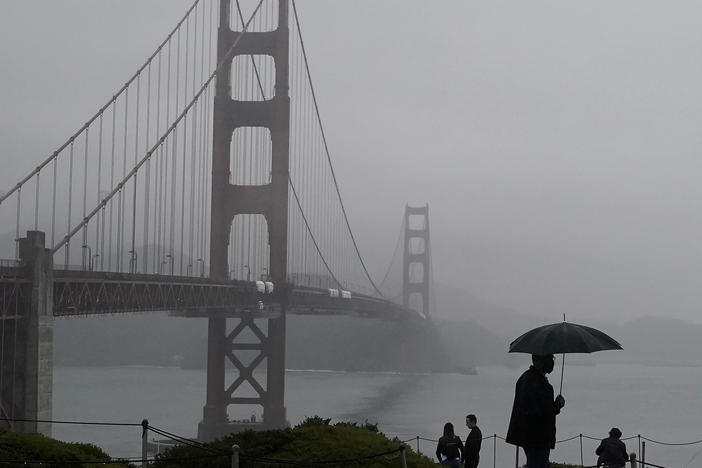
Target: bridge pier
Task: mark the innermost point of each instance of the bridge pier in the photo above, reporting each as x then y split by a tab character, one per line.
26	367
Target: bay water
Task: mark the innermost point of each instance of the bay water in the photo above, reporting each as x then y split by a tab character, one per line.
663	404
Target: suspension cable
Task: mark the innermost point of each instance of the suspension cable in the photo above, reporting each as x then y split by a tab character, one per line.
314	241
326	149
292	186
394	253
170	129
100	111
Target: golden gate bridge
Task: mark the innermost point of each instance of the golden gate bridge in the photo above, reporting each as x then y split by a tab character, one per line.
203	187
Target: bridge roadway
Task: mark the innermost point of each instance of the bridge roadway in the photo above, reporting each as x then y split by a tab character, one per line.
80	292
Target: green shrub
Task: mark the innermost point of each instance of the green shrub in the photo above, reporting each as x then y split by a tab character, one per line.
314	439
21	447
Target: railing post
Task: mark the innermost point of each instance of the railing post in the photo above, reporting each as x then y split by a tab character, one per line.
144	441
632	458
643	453
235	456
402	456
494	451
581	451
418	452
516	457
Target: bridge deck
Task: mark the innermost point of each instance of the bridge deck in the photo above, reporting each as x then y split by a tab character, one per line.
78	292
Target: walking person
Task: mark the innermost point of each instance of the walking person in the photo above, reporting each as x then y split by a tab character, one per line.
471	451
450	447
612	451
532	425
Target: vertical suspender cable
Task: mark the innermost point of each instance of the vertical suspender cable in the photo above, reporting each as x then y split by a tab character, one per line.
53	204
193	186
36	205
17	224
214	13
100	224
297	136
164	150
185	146
133	258
201	149
201	181
174	164
85	202
122	196
194	179
157	176
112	184
182	190
307	187
147	178
298	118
193	159
70	200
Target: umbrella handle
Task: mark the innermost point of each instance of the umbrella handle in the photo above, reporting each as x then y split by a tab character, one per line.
560	391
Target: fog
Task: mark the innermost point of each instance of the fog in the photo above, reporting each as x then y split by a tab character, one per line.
557	143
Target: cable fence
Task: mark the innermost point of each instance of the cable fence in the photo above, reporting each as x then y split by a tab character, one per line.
495	451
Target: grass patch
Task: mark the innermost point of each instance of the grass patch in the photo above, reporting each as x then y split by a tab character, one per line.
24	448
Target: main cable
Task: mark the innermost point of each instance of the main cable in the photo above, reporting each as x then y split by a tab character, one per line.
326	148
170	129
292	186
100	111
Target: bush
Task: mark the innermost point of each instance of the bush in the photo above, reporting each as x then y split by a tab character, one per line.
313	440
21	447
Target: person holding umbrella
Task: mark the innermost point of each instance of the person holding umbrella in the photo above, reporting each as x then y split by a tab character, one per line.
532	425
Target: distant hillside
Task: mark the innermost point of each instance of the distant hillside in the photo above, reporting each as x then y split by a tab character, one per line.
648	340
658	341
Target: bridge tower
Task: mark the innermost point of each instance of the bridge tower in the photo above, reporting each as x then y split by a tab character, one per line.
228	201
417	256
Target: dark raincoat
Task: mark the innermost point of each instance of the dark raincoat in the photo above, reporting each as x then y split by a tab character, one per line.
471	452
612	452
533	421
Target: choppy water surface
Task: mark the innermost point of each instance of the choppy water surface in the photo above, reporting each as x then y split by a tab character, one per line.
662	403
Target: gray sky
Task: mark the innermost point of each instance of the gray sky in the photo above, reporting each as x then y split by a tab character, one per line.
557	143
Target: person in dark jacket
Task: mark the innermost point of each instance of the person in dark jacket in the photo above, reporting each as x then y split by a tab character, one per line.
471	452
451	447
532	425
612	451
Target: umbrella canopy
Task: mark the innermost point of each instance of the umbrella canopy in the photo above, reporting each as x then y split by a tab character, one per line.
563	337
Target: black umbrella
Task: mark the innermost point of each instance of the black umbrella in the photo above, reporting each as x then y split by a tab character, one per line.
561	338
